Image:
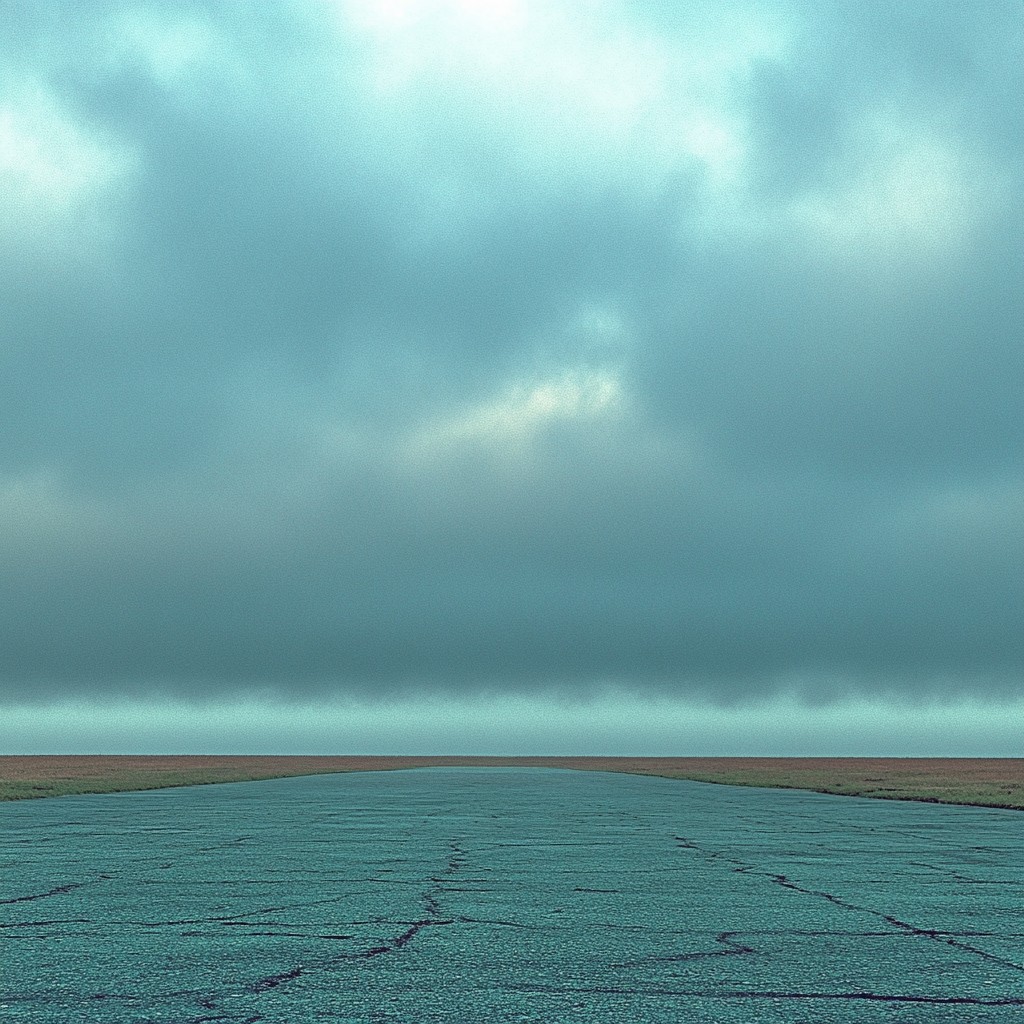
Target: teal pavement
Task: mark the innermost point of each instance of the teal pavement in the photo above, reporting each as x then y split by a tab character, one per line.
507	895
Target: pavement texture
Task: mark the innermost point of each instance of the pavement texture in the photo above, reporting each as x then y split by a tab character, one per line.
507	895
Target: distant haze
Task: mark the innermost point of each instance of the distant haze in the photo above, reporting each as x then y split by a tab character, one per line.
437	375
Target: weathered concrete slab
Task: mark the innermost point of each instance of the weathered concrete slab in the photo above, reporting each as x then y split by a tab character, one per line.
519	895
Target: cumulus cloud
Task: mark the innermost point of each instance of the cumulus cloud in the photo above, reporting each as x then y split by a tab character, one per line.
433	347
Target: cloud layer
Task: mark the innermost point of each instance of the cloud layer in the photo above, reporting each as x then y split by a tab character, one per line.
435	347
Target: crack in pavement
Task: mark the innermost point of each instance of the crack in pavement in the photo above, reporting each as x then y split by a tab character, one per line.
208	1018
679	932
777	994
733	948
936	935
195	934
230	919
959	876
462	919
273	980
43	924
226	845
456	858
56	891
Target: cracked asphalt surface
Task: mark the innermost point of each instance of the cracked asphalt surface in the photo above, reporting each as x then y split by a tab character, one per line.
507	894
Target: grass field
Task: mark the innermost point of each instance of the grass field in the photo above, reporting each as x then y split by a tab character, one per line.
990	782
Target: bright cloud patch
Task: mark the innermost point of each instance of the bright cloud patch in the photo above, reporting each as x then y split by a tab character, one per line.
511	421
46	160
54	180
916	198
173	47
586	92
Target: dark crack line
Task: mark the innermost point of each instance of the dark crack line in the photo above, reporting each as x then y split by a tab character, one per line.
239	918
226	845
56	891
209	1002
45	924
732	948
399	941
456	858
272	935
495	922
210	1017
938	936
963	879
881	997
934	935
265	984
888	933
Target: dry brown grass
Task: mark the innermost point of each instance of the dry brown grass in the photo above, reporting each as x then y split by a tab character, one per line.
992	782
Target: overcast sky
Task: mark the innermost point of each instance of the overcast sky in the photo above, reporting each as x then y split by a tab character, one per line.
502	354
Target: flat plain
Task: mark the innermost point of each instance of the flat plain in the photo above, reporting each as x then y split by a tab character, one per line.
524	894
985	782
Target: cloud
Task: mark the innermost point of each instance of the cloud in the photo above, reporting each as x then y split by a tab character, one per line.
436	348
579	94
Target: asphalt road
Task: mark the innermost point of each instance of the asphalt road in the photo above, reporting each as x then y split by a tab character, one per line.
507	895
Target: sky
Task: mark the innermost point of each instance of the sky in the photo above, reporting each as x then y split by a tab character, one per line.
569	376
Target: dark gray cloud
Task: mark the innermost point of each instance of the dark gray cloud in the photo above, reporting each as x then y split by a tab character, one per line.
604	348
